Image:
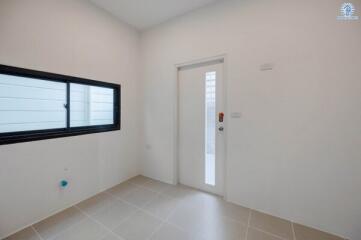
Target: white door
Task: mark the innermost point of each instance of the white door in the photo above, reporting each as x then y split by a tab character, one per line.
201	131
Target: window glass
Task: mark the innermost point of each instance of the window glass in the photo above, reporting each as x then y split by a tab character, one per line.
91	106
37	105
210	129
30	104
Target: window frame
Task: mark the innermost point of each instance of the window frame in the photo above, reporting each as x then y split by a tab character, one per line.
68	131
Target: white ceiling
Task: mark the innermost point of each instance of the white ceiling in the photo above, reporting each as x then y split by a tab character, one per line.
143	14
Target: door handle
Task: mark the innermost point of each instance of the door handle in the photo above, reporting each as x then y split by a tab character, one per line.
221	129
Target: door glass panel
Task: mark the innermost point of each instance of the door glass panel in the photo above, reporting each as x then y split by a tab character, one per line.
210	128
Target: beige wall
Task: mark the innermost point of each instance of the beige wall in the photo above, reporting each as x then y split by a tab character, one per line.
73	38
295	152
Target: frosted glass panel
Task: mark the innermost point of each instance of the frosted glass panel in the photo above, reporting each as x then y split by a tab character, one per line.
30	104
210	129
90	106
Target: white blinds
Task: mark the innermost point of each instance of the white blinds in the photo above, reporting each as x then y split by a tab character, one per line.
31	104
91	105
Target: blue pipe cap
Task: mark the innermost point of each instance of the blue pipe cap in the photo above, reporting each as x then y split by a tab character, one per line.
64	183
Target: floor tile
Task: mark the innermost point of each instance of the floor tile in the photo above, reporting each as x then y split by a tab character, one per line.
223	228
170	232
139	180
198	221
112	236
306	233
197	217
140	196
179	191
162	206
156	186
215	207
58	222
197	208
121	190
96	203
142	208
234	211
188	218
200	199
86	229
254	234
26	234
114	214
140	226
273	225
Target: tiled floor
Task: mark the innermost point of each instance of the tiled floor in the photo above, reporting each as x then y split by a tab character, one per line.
142	209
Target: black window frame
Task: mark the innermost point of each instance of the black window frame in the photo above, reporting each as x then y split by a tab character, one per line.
68	131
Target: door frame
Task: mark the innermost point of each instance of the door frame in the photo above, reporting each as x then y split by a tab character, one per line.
222	58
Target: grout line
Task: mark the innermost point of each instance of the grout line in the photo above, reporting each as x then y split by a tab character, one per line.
166	220
67	207
163	221
37	233
85	215
159	194
90	218
142	209
268	233
293	231
135	206
68	228
156	230
104	226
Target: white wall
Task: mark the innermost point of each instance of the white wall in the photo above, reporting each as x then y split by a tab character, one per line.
74	38
295	152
